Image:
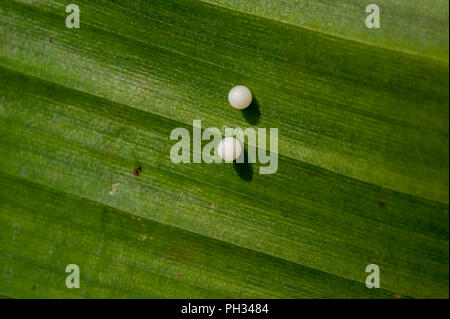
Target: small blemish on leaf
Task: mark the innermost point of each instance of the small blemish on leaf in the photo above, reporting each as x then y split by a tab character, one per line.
137	171
113	188
382	205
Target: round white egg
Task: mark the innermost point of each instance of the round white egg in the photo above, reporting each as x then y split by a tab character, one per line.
229	149
240	97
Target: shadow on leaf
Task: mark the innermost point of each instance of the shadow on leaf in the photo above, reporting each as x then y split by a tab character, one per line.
252	113
244	170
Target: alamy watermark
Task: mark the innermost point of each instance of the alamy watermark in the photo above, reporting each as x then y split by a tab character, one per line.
373	279
73	280
373	19
73	19
257	150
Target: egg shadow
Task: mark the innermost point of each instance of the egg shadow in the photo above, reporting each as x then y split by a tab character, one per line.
244	170
252	113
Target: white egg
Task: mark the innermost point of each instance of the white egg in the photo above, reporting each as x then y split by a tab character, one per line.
240	97
229	149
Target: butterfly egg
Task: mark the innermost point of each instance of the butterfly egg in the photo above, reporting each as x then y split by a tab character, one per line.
229	149
240	97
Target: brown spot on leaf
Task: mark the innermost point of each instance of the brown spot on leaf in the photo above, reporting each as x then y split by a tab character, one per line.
169	34
50	40
175	253
382	205
137	171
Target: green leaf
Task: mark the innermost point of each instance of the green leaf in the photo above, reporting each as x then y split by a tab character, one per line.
363	149
416	27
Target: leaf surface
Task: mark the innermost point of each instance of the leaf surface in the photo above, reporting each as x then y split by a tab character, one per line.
363	152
